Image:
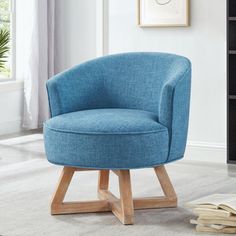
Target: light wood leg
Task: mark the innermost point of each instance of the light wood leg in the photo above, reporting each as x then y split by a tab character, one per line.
126	200
62	187
122	208
165	182
168	200
59	207
103	182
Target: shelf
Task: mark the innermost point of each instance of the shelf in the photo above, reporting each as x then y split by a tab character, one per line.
231	35
232	18
231	162
231	81
231	130
232	52
231	8
232	96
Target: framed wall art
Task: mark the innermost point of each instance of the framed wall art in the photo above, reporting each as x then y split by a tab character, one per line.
163	13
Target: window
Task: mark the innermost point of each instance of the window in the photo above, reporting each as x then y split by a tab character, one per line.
7	42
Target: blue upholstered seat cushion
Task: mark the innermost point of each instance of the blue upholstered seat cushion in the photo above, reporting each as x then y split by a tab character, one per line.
106	139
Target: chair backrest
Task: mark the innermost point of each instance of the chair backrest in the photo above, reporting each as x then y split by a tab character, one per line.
128	80
135	80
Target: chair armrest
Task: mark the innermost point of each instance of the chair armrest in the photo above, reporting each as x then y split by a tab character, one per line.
174	112
60	92
76	89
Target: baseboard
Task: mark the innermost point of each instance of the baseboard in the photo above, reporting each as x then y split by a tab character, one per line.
10	126
207	152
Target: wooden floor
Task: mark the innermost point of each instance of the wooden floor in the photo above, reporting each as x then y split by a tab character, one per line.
27	183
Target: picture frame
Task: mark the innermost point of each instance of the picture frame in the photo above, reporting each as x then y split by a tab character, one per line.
163	13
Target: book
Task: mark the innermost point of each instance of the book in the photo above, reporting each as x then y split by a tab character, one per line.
213	217
226	202
195	222
206	229
217	222
211	212
216	213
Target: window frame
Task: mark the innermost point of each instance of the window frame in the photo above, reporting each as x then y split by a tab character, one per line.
12	12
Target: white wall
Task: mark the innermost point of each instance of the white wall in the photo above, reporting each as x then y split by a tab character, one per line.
75	32
205	44
11	104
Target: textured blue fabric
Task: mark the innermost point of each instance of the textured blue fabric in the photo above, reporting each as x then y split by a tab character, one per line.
158	83
105	138
106	121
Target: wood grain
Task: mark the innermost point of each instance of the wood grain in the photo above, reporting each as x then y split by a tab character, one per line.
123	207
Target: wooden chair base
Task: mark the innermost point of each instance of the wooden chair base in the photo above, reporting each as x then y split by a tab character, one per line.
122	208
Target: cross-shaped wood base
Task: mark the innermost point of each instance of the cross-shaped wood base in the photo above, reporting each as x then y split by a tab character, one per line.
122	208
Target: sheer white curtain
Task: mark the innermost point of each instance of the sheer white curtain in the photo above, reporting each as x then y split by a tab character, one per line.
35	56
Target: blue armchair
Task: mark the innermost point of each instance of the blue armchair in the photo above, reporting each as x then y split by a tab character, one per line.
117	113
